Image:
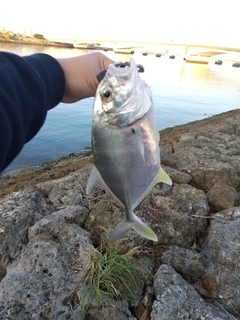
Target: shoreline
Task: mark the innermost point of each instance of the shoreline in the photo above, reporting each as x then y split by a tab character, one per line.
36	42
53	169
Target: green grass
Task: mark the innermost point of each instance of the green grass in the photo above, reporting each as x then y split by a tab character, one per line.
111	271
215	149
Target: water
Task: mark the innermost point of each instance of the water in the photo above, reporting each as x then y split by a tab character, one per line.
182	92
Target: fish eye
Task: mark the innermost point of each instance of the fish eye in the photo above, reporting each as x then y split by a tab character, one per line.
107	95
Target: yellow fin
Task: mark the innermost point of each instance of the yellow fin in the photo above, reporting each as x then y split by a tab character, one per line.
163	177
138	225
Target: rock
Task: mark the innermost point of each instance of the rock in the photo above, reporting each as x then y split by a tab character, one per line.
221	252
19	211
72	215
184	261
206	177
177	299
103	217
226	128
41	282
206	167
167	211
177	176
68	189
222	197
110	309
62	197
165	152
237	130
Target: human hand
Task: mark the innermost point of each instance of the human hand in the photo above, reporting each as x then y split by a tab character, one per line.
81	75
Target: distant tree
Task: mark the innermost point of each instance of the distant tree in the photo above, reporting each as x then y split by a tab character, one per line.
38	36
12	37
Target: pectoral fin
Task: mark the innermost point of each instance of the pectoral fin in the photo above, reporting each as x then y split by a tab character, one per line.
94	179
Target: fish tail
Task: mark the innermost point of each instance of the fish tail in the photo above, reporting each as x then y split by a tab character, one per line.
121	229
138	225
141	228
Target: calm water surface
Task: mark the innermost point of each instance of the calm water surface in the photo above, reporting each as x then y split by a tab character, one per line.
182	92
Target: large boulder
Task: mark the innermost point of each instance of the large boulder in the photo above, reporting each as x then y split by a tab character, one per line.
206	158
41	282
184	261
177	299
222	196
19	211
221	252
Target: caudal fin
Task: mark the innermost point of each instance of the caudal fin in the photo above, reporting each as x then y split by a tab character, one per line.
140	227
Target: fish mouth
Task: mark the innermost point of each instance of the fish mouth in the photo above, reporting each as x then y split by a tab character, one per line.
125	64
121	66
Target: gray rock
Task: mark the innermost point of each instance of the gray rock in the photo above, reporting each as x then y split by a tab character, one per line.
41	282
177	176
219	139
205	177
205	168
64	197
177	299
19	211
71	215
109	309
103	217
222	197
221	252
72	186
237	129
165	152
172	221
185	261
226	128
206	158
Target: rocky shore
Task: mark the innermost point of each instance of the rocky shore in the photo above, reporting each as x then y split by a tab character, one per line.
48	223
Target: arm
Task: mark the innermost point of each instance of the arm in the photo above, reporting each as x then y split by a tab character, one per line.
30	86
27	92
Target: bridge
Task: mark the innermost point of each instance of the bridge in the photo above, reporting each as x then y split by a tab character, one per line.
171	48
208	50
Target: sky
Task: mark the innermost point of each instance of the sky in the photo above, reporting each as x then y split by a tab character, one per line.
213	22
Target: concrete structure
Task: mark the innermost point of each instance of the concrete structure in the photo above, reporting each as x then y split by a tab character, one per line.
156	48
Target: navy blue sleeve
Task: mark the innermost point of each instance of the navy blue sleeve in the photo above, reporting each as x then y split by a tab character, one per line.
29	87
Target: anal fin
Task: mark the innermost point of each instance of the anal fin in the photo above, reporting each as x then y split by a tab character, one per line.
164	177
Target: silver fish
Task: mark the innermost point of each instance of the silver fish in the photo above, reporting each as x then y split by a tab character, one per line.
125	144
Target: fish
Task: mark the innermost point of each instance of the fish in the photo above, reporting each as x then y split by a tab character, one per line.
125	144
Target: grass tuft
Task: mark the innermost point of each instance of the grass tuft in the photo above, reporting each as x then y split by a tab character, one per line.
111	270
